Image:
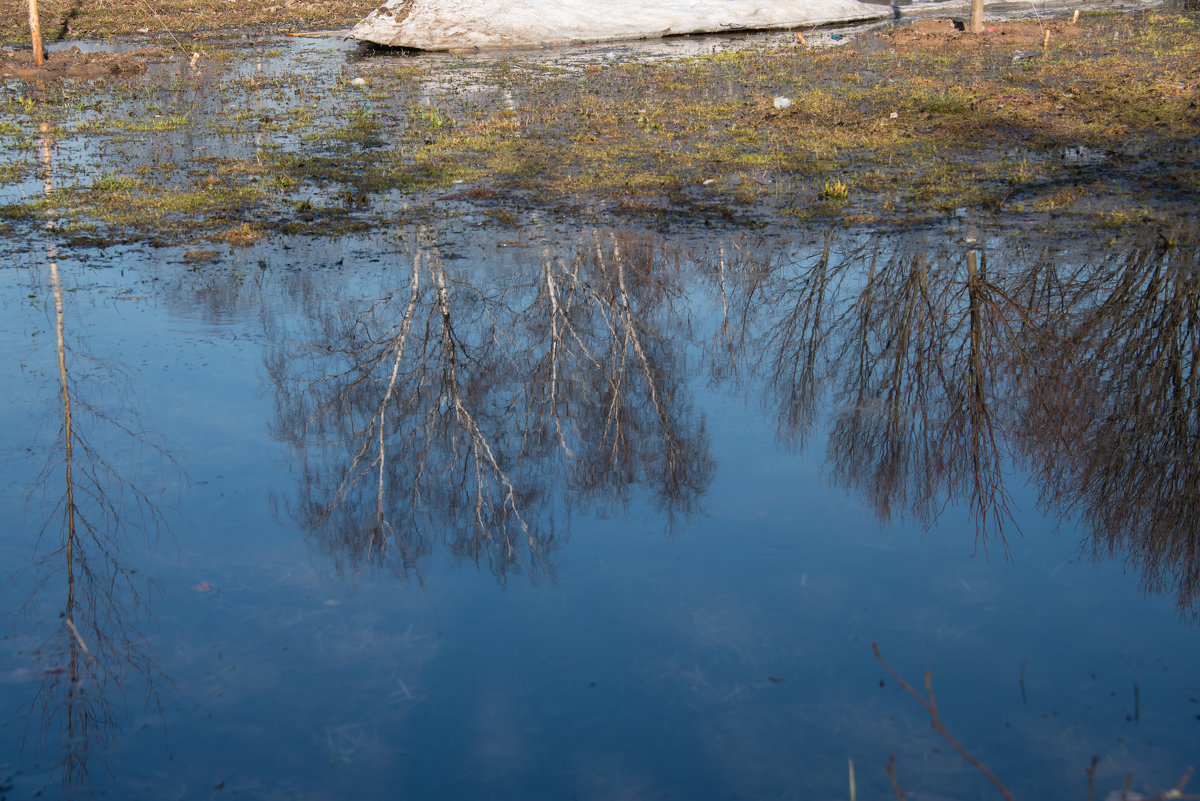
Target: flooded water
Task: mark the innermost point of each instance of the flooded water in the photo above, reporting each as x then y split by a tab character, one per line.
517	507
598	513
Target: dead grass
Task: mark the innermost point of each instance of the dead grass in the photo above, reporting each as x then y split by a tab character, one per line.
78	19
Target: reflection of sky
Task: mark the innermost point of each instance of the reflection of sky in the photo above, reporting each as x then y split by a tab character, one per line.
730	654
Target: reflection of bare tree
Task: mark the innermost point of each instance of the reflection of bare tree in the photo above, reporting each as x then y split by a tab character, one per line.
928	352
945	367
881	440
1134	421
922	351
797	343
630	421
481	414
444	411
98	653
416	368
991	338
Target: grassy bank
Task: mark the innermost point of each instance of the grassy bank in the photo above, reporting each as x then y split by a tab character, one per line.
1094	128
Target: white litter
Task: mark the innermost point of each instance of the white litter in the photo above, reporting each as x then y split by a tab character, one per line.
783	102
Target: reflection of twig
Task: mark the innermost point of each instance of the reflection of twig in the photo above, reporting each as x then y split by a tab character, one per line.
79	639
891	769
935	721
1091	774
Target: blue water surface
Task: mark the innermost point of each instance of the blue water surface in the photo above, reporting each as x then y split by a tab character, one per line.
680	597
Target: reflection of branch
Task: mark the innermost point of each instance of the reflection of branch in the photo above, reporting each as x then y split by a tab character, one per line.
482	458
637	378
935	721
380	530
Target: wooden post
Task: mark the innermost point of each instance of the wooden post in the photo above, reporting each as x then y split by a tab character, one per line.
35	33
976	16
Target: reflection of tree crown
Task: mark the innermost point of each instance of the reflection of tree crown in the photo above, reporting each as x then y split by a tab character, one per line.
446	411
478	416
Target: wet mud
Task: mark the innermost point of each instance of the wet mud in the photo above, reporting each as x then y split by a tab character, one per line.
74	64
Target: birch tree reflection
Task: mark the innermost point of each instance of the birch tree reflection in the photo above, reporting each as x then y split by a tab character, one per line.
449	412
633	424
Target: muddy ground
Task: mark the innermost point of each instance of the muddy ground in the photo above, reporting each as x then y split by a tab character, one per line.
83	19
74	64
1086	126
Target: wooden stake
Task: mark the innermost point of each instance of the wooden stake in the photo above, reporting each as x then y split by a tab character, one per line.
976	25
1046	41
35	33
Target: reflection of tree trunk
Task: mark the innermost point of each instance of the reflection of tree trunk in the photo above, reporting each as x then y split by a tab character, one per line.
738	286
485	467
971	425
379	530
73	698
64	383
77	724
